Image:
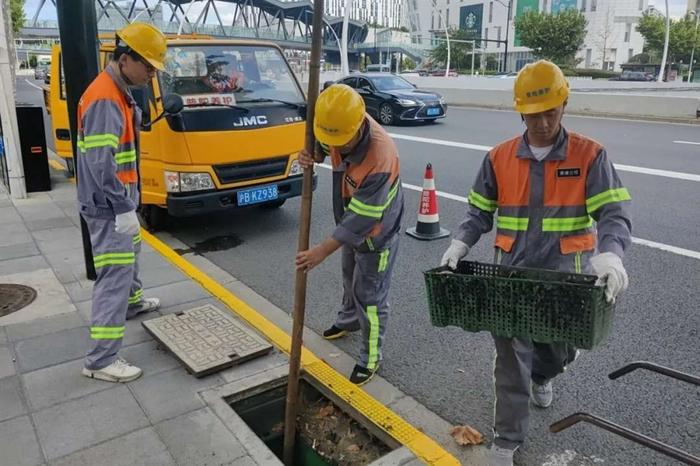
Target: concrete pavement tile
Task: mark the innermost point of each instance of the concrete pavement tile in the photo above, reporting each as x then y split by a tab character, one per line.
48	223
150	357
177	293
4	202
51	297
255	366
158	276
51	349
14	233
9	215
190	305
151	259
7	366
140	448
80	290
35	328
60	383
245	461
11	402
18	443
23	264
171	393
135	333
38	211
18	250
200	439
69	265
78	424
3	336
58	239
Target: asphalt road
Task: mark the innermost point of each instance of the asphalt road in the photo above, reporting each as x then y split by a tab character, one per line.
449	370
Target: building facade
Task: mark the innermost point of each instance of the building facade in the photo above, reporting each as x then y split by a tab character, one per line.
611	38
383	13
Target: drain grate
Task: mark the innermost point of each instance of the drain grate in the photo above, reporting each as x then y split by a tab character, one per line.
207	339
15	297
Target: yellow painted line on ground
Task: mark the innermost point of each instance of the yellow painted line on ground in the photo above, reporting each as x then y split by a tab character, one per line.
420	444
56	165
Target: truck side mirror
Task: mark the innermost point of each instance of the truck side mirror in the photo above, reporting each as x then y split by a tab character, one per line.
173	104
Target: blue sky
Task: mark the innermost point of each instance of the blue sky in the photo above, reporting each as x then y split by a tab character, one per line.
676	7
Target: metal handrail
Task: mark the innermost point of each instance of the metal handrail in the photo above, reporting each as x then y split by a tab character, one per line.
650	366
629	434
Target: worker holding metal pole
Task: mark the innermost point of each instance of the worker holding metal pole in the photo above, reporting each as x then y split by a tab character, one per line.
368	207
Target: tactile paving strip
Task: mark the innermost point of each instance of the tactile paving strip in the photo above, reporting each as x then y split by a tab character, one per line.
207	339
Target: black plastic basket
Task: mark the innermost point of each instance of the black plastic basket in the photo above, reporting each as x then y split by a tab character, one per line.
543	305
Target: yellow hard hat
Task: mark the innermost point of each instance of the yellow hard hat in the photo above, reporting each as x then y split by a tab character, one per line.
147	41
340	112
539	87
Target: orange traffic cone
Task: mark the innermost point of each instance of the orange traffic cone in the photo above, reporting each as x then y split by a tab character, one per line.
428	225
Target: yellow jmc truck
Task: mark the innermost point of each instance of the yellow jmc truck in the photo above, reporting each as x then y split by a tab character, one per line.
234	144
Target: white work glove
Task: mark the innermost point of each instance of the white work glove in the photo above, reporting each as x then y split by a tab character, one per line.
611	273
454	253
127	223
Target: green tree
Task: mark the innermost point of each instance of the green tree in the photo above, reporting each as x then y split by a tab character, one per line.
32	61
680	41
17	15
556	37
408	64
460	52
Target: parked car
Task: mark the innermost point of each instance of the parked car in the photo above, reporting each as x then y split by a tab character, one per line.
451	74
390	98
633	76
39	72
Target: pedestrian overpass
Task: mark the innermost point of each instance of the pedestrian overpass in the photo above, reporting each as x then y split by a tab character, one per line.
286	23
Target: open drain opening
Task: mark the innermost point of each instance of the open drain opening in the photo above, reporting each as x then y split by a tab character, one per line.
14	297
326	435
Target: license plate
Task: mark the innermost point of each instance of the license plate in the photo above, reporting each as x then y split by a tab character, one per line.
433	111
257	195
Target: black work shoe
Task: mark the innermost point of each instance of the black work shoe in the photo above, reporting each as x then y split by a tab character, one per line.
334	332
361	375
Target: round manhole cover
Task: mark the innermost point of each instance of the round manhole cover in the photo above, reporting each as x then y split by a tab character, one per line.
15	297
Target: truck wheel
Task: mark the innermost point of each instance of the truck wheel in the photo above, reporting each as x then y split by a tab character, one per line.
154	217
274	204
70	165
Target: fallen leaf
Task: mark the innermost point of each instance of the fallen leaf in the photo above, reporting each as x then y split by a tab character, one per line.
466	435
277	428
353	449
326	411
334	355
460	371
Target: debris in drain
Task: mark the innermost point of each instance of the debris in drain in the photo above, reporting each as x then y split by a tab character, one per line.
466	435
336	436
217	243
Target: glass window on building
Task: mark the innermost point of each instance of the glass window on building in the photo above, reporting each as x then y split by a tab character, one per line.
589	56
630	54
498	36
594	5
583	5
490	12
447	17
439	19
641	5
628	32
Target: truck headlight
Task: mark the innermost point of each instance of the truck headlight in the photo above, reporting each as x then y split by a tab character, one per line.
295	168
177	182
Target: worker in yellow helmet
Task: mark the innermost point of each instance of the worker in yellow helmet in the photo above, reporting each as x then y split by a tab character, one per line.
560	205
108	193
368	207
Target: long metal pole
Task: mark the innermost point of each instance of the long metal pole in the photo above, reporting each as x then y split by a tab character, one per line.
77	27
345	67
473	51
290	416
505	56
695	41
665	54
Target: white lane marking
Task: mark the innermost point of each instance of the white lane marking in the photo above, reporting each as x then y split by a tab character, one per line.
441	142
34	85
644	242
688	142
656	172
618	166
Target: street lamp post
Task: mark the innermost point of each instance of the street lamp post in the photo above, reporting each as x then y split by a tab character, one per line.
505	56
665	54
695	41
447	37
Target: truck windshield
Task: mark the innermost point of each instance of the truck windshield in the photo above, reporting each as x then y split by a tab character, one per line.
242	75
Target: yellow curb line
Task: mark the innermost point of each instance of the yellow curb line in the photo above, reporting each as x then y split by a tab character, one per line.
420	444
56	165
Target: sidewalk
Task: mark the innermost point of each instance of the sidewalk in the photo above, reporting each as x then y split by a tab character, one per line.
50	414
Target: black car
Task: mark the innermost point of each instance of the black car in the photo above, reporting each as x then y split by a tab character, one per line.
391	99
